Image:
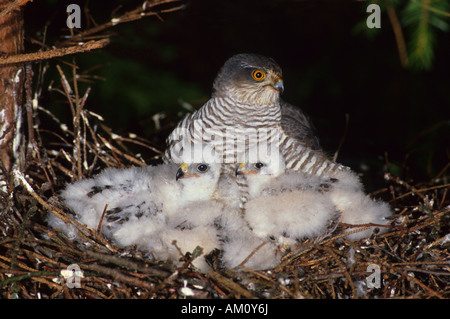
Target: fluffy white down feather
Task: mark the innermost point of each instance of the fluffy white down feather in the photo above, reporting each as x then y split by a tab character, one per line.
177	234
149	208
240	244
356	207
292	205
290	215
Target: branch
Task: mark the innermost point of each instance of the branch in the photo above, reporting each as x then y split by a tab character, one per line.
398	33
14	5
54	53
144	10
230	284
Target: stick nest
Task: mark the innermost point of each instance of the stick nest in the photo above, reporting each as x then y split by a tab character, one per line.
412	259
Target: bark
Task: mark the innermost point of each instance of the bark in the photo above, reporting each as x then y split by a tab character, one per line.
11	85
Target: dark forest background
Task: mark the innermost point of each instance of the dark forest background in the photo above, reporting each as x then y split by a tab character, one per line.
333	66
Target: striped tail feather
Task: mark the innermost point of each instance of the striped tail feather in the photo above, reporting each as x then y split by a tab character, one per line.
301	158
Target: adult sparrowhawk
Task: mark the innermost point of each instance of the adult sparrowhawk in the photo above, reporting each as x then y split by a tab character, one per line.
245	114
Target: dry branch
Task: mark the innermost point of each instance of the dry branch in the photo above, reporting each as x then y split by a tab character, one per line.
148	8
54	53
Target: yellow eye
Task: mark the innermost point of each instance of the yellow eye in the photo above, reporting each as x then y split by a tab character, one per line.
258	75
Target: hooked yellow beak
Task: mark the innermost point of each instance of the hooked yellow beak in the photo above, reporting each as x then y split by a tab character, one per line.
182	170
240	170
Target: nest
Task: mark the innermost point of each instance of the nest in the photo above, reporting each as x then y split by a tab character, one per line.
410	261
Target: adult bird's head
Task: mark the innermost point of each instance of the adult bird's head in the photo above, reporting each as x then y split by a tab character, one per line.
250	79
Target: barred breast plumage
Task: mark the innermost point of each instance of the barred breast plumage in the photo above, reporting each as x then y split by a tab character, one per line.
245	114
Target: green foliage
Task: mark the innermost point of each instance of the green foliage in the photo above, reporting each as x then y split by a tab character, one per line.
423	19
420	21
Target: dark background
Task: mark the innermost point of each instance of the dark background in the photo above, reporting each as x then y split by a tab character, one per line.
332	65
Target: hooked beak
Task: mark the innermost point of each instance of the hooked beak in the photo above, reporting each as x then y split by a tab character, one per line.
278	84
181	171
240	170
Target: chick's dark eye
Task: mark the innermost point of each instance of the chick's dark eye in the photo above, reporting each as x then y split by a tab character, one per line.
258	75
202	167
259	165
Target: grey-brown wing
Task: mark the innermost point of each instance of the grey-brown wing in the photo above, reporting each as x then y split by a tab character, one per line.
296	124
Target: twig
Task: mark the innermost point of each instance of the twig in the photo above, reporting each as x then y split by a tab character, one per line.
251	254
27	275
14	5
56	211
344	269
54	53
418	263
138	13
273	282
229	284
76	122
115	150
414	191
398	33
415	280
99	227
118	276
341	142
368	226
128	264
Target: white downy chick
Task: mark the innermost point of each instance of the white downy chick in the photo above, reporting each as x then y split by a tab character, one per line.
240	245
190	226
286	206
357	208
132	192
343	189
194	224
126	194
147	205
189	215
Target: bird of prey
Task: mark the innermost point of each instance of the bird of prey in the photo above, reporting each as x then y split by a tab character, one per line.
290	205
286	207
291	191
245	113
357	208
165	209
241	245
120	198
180	231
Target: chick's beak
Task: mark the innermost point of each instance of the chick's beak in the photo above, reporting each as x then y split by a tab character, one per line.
278	84
181	171
240	170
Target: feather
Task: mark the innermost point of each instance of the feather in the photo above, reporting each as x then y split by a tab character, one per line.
148	207
290	216
240	244
293	205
